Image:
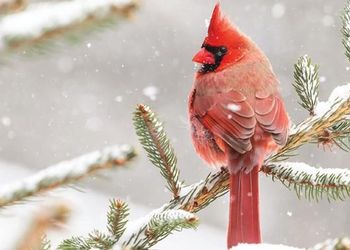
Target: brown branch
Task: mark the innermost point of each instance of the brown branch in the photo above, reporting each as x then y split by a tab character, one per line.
48	218
9	6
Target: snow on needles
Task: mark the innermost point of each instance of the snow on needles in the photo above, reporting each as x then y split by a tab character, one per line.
339	95
41	18
315	175
263	247
65	172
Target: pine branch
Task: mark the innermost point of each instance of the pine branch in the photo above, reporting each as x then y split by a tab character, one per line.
197	196
327	115
154	140
306	83
45	243
42	22
346	29
333	244
47	218
65	173
117	218
310	182
158	225
339	134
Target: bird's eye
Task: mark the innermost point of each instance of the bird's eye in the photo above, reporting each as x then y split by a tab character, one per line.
223	49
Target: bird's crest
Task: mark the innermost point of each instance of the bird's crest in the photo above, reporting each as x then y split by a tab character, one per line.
220	28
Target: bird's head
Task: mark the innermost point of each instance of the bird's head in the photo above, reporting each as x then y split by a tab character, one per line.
223	46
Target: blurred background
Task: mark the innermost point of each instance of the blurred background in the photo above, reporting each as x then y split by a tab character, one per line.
78	98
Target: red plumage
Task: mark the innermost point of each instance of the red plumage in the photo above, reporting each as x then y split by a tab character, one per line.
237	118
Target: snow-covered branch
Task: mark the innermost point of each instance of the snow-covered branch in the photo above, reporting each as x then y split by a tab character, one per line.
41	21
310	182
327	114
263	247
197	196
65	173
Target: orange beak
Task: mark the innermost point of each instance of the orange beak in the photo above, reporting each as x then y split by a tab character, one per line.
204	57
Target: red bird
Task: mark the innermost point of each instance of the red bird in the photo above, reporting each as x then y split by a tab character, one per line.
237	118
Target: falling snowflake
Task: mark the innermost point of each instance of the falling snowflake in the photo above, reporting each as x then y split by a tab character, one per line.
207	22
6	121
151	92
289	213
323	78
278	10
118	98
233	107
328	20
88	45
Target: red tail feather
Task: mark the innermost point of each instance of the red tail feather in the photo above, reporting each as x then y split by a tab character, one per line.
244	221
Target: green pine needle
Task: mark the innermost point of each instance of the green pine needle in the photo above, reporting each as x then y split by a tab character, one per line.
45	243
312	183
157	145
346	29
74	243
162	225
306	83
117	218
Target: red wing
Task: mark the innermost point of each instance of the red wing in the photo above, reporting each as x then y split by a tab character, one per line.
229	117
272	116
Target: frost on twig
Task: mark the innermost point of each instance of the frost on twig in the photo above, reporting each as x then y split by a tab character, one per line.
48	218
65	173
42	21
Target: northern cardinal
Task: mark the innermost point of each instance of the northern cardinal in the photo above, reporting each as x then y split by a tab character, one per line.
237	118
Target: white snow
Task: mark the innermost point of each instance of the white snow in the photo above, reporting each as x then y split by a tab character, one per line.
66	170
339	94
343	175
41	17
151	92
233	107
6	121
207	22
263	247
118	98
323	78
278	10
324	109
